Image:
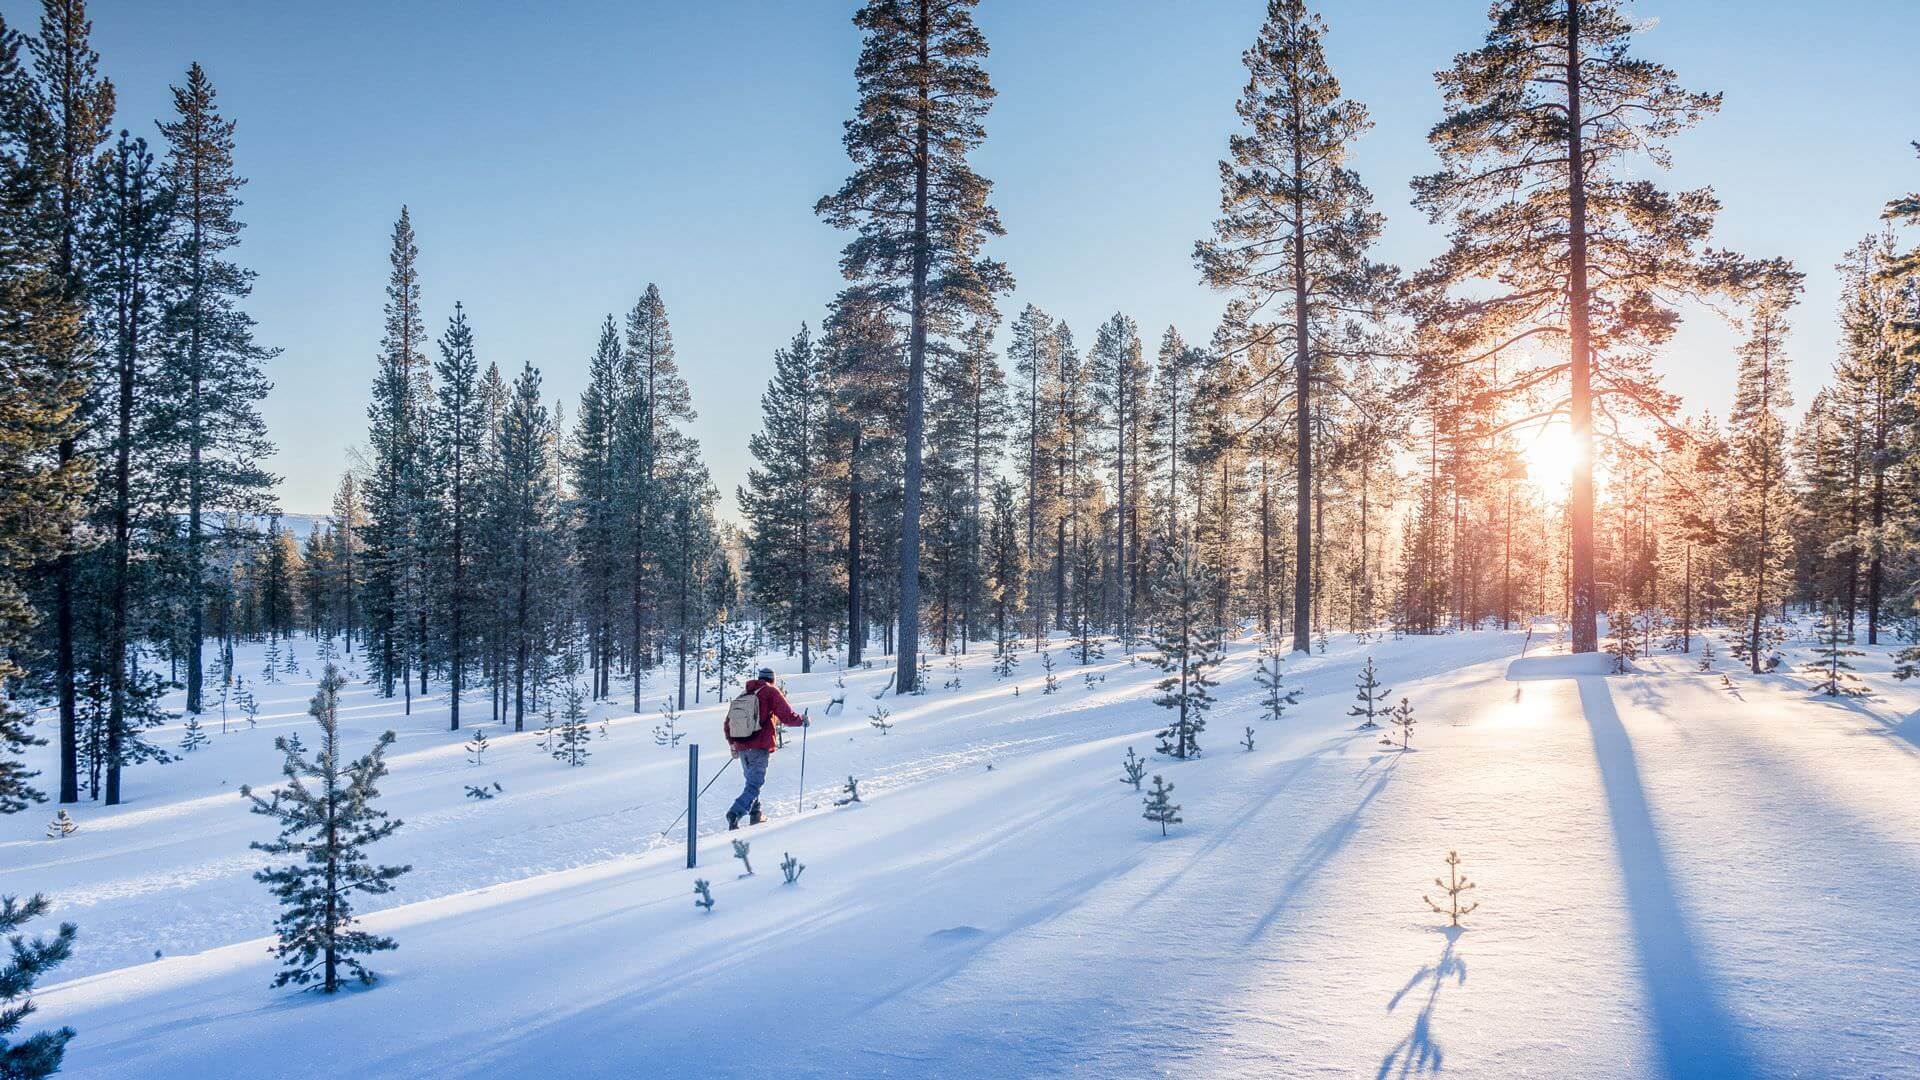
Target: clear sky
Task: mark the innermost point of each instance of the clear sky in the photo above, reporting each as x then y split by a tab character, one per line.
558	156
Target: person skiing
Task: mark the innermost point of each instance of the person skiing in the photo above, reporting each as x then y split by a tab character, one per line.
749	731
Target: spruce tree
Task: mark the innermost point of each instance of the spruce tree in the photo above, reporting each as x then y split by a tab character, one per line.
574	741
1547	127
1292	238
208	382
1188	647
327	819
921	213
37	1055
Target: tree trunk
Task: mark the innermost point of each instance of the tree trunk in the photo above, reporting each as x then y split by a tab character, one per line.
1586	631
905	671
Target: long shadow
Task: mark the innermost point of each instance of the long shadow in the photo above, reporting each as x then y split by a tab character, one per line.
1692	1028
1418	1052
1321	850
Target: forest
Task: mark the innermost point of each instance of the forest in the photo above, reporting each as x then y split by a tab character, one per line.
1354	448
1354	451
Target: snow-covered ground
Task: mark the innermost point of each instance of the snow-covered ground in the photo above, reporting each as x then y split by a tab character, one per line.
1677	877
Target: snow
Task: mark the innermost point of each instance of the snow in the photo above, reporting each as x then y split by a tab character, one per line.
1676	879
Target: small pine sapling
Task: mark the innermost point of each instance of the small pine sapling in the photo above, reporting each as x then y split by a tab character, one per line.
327	818
1401	721
574	737
291	665
1247	740
194	737
1134	767
271	669
1453	887
880	715
852	793
249	705
1188	647
1004	660
922	675
740	852
62	825
1906	663
1161	808
667	732
1620	644
482	791
791	868
477	747
1274	697
1053	681
37	1055
703	895
1706	654
1836	673
1369	696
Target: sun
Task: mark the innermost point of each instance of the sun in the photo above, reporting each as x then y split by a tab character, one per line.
1549	456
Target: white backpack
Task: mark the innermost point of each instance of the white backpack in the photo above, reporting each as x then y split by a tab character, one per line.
743	715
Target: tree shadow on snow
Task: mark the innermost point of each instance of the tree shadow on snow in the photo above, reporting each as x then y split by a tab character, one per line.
1418	1052
1693	1031
1322	849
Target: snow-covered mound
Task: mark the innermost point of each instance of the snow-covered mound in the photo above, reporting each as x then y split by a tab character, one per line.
1679	874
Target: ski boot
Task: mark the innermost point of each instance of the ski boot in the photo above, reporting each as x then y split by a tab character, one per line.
756	817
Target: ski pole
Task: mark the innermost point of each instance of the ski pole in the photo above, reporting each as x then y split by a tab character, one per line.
703	791
805	714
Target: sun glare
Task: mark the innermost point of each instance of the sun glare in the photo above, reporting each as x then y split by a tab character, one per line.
1549	457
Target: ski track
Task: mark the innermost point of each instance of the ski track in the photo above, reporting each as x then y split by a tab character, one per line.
1677	880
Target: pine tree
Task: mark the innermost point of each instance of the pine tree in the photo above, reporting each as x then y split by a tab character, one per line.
1274	699
788	557
1132	769
921	212
39	1054
477	747
458	428
1454	886
1188	649
880	719
72	108
1542	186
208	381
1121	386
791	868
1292	237
1160	807
41	395
1401	719
1760	542
327	818
1369	695
194	736
394	484
573	742
1837	678
703	895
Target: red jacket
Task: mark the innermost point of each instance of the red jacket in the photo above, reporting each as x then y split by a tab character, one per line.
772	707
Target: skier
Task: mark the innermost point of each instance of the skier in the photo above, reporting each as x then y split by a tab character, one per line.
749	730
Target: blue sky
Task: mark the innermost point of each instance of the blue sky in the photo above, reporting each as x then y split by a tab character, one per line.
559	156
